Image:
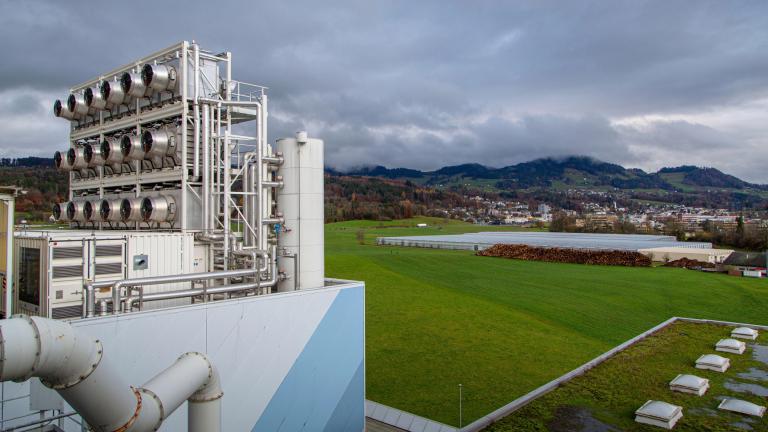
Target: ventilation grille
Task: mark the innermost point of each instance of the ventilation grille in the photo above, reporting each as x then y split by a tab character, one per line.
108	268
109	250
67	252
67	271
75	311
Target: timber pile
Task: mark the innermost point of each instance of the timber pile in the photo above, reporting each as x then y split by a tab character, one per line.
574	256
689	264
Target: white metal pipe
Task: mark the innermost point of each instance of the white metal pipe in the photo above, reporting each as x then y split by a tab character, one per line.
224	289
266	202
260	205
196	113
184	131
217	166
247	234
73	364
9	203
206	170
70	363
90	287
254	206
193	377
227	188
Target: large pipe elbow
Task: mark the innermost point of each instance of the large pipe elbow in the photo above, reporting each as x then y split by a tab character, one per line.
69	362
72	363
191	378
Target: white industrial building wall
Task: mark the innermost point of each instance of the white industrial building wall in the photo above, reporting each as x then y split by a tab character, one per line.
289	361
167	254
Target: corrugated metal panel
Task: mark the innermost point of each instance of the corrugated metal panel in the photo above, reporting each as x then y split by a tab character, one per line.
67	271
67	252
109	268
67	312
109	250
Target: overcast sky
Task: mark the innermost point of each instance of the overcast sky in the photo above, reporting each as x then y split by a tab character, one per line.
424	84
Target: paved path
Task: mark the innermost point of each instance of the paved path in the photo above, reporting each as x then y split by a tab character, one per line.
372	425
398	420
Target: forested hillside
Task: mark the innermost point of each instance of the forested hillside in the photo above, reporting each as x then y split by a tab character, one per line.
345	197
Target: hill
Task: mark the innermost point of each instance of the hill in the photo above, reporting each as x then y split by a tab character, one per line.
699	186
383	193
346	197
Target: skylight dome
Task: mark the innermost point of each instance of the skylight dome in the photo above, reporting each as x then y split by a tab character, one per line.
732	346
744	333
689	384
742	407
658	413
713	362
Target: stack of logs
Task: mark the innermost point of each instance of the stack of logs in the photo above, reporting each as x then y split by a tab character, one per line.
575	256
689	264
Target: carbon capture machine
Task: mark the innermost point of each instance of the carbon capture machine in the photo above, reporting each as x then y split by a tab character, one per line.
190	258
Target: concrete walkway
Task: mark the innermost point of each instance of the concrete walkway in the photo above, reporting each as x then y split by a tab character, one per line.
372	425
382	416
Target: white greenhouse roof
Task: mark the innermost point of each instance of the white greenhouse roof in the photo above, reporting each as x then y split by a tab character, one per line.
628	242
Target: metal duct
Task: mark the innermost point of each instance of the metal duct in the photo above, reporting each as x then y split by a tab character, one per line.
109	210
158	209
76	211
74	364
158	142
88	211
112	93
130	210
76	104
110	151
63	111
158	77
93	158
130	147
61	162
94	99
132	85
76	158
59	211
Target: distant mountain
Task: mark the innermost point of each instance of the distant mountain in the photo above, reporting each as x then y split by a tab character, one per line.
569	172
709	177
548	178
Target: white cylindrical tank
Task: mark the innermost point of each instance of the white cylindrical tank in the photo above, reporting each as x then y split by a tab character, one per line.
301	202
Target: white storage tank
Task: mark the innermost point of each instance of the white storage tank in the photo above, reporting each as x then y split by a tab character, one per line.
301	203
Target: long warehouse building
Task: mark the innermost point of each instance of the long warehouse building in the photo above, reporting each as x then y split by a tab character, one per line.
483	240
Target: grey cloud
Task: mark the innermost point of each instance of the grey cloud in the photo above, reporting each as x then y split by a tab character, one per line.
426	84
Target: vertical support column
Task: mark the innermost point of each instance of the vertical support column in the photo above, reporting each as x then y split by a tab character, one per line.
9	204
205	192
225	206
184	162
196	112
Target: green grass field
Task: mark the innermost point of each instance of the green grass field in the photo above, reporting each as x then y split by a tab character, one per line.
436	318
